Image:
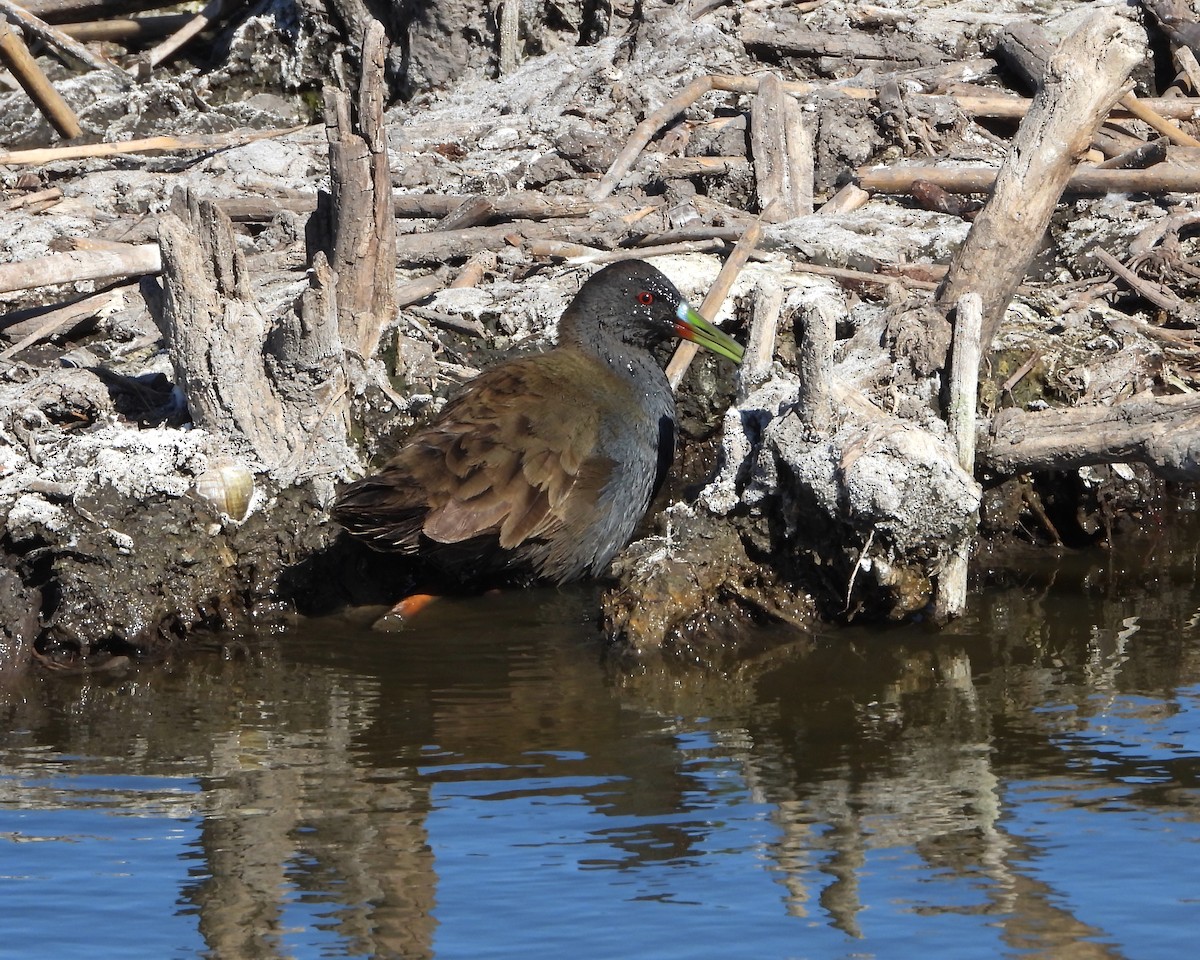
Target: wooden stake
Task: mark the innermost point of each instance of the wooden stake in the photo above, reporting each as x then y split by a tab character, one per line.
950	598
730	269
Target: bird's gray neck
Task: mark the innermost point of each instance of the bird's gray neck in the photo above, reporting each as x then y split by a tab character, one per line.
635	364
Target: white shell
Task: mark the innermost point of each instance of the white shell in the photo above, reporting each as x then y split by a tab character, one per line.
228	485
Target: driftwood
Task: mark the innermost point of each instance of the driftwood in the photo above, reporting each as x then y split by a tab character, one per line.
136	28
516	205
212	11
1162	178
57	11
1086	76
1139	157
15	55
59	41
793	39
781	143
38	199
138	260
26	333
1161	432
364	231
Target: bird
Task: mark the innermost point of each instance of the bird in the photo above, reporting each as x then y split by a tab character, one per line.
540	470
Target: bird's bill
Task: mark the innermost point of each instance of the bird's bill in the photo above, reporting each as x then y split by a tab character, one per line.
691	326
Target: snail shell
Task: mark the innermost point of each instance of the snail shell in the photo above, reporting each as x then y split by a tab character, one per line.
228	485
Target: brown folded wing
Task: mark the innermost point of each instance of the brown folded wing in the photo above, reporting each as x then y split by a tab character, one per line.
513	460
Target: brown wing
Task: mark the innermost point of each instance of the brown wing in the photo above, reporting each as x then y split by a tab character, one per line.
514	458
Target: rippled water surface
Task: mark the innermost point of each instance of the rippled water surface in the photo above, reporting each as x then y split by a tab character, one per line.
483	785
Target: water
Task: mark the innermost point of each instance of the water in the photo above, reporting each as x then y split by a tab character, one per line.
1025	784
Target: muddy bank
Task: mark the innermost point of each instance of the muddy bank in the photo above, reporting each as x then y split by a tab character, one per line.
171	434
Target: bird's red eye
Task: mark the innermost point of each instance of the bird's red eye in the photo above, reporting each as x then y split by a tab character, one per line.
645	298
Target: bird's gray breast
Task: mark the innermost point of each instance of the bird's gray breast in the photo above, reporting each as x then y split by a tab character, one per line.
637	444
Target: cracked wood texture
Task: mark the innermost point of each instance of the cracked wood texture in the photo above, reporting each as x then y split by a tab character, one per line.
1086	75
364	229
1161	432
215	331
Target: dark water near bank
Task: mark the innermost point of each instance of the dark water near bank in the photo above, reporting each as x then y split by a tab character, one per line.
1024	784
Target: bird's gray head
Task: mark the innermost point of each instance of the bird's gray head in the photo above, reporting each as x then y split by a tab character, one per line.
635	304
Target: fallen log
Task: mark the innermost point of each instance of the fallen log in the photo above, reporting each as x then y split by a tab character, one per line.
1161	432
137	260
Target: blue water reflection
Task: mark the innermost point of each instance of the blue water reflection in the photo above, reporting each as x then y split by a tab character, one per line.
1026	784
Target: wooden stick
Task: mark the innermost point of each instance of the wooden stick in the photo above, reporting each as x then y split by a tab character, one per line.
56	320
418	290
17	58
682	358
1149	115
846	200
1140	157
203	20
1161	178
518	205
29	199
474	269
138	260
861	276
677	168
1002	106
57	11
55	38
135	28
1162	298
219	141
